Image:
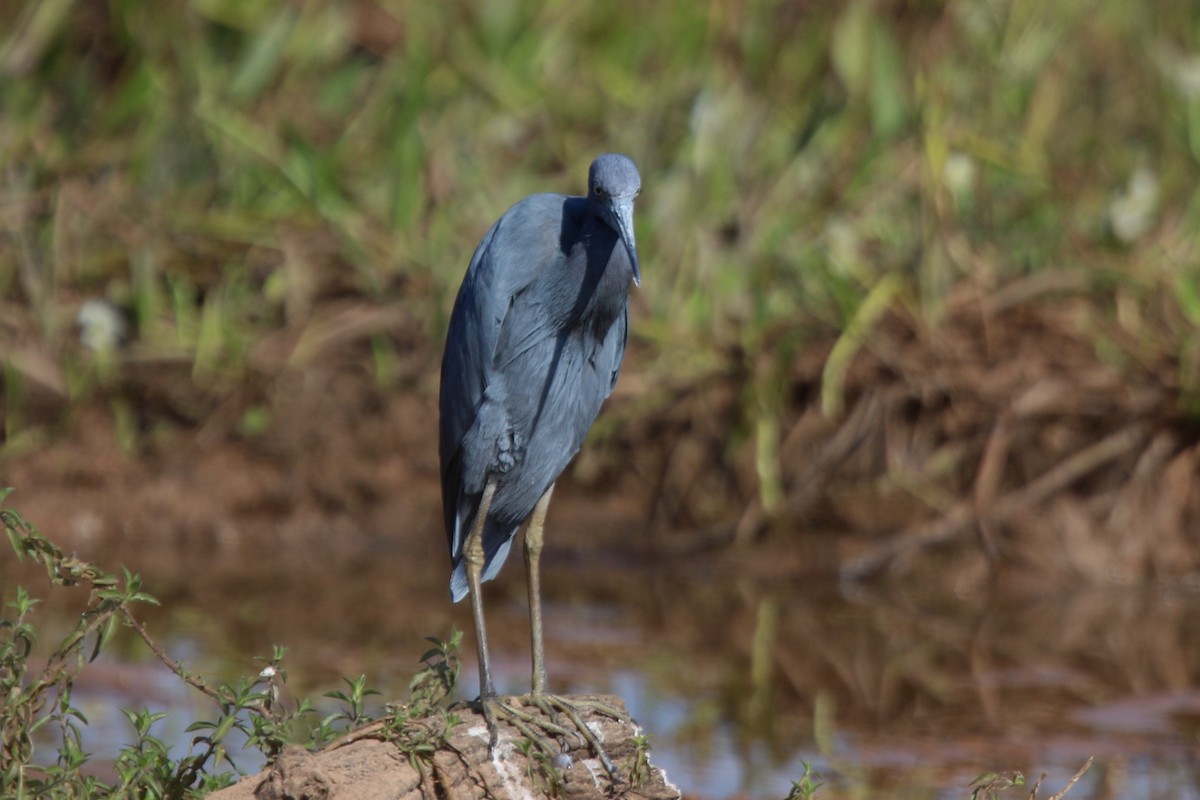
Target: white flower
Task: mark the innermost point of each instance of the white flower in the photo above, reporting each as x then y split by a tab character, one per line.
1131	213
101	326
958	173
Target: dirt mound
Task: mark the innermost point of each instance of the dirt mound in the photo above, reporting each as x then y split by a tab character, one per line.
461	768
1020	431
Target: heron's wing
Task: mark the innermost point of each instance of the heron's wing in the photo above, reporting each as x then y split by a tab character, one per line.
533	309
500	271
619	336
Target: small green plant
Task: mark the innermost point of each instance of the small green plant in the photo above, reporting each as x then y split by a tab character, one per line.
355	712
639	772
146	765
540	768
37	699
989	785
253	707
420	726
434	682
37	702
806	787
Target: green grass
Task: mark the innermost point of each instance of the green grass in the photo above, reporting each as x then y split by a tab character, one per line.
221	168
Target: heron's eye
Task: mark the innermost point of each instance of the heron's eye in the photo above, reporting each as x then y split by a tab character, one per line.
601	191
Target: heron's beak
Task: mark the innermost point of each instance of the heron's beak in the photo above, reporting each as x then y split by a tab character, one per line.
622	210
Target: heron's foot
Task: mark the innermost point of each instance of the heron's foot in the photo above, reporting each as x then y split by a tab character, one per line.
547	729
488	704
553	707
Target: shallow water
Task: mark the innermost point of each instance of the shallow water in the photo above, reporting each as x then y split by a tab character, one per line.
737	678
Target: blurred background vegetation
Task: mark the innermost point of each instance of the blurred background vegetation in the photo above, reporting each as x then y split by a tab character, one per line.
220	171
871	221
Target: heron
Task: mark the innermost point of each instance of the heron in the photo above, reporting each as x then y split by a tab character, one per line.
534	346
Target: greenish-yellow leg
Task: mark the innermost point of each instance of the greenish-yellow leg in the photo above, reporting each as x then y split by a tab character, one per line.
549	704
474	557
533	555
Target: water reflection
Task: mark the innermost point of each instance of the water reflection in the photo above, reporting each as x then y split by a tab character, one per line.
738	678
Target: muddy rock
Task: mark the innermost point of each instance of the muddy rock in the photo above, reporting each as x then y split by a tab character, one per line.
368	767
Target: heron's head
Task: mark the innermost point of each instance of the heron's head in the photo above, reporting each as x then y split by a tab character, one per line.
613	183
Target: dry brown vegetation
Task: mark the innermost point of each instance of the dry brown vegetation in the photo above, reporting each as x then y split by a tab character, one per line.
1000	433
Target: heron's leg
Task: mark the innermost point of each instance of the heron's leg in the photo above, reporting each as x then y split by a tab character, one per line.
535	727
474	557
550	705
533	555
490	703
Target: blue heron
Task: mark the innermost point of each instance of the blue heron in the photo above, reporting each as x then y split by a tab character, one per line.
535	344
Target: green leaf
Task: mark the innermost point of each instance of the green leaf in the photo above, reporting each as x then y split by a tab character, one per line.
262	62
1187	292
17	541
103	636
833	377
888	106
200	725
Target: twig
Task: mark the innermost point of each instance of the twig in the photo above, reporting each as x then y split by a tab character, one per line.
171	663
1074	780
1037	785
963	514
1072	469
366	732
428	787
951	525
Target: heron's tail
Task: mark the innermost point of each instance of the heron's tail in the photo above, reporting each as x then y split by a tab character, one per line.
496	544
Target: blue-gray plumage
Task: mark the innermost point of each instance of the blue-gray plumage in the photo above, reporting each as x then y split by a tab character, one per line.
535	343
